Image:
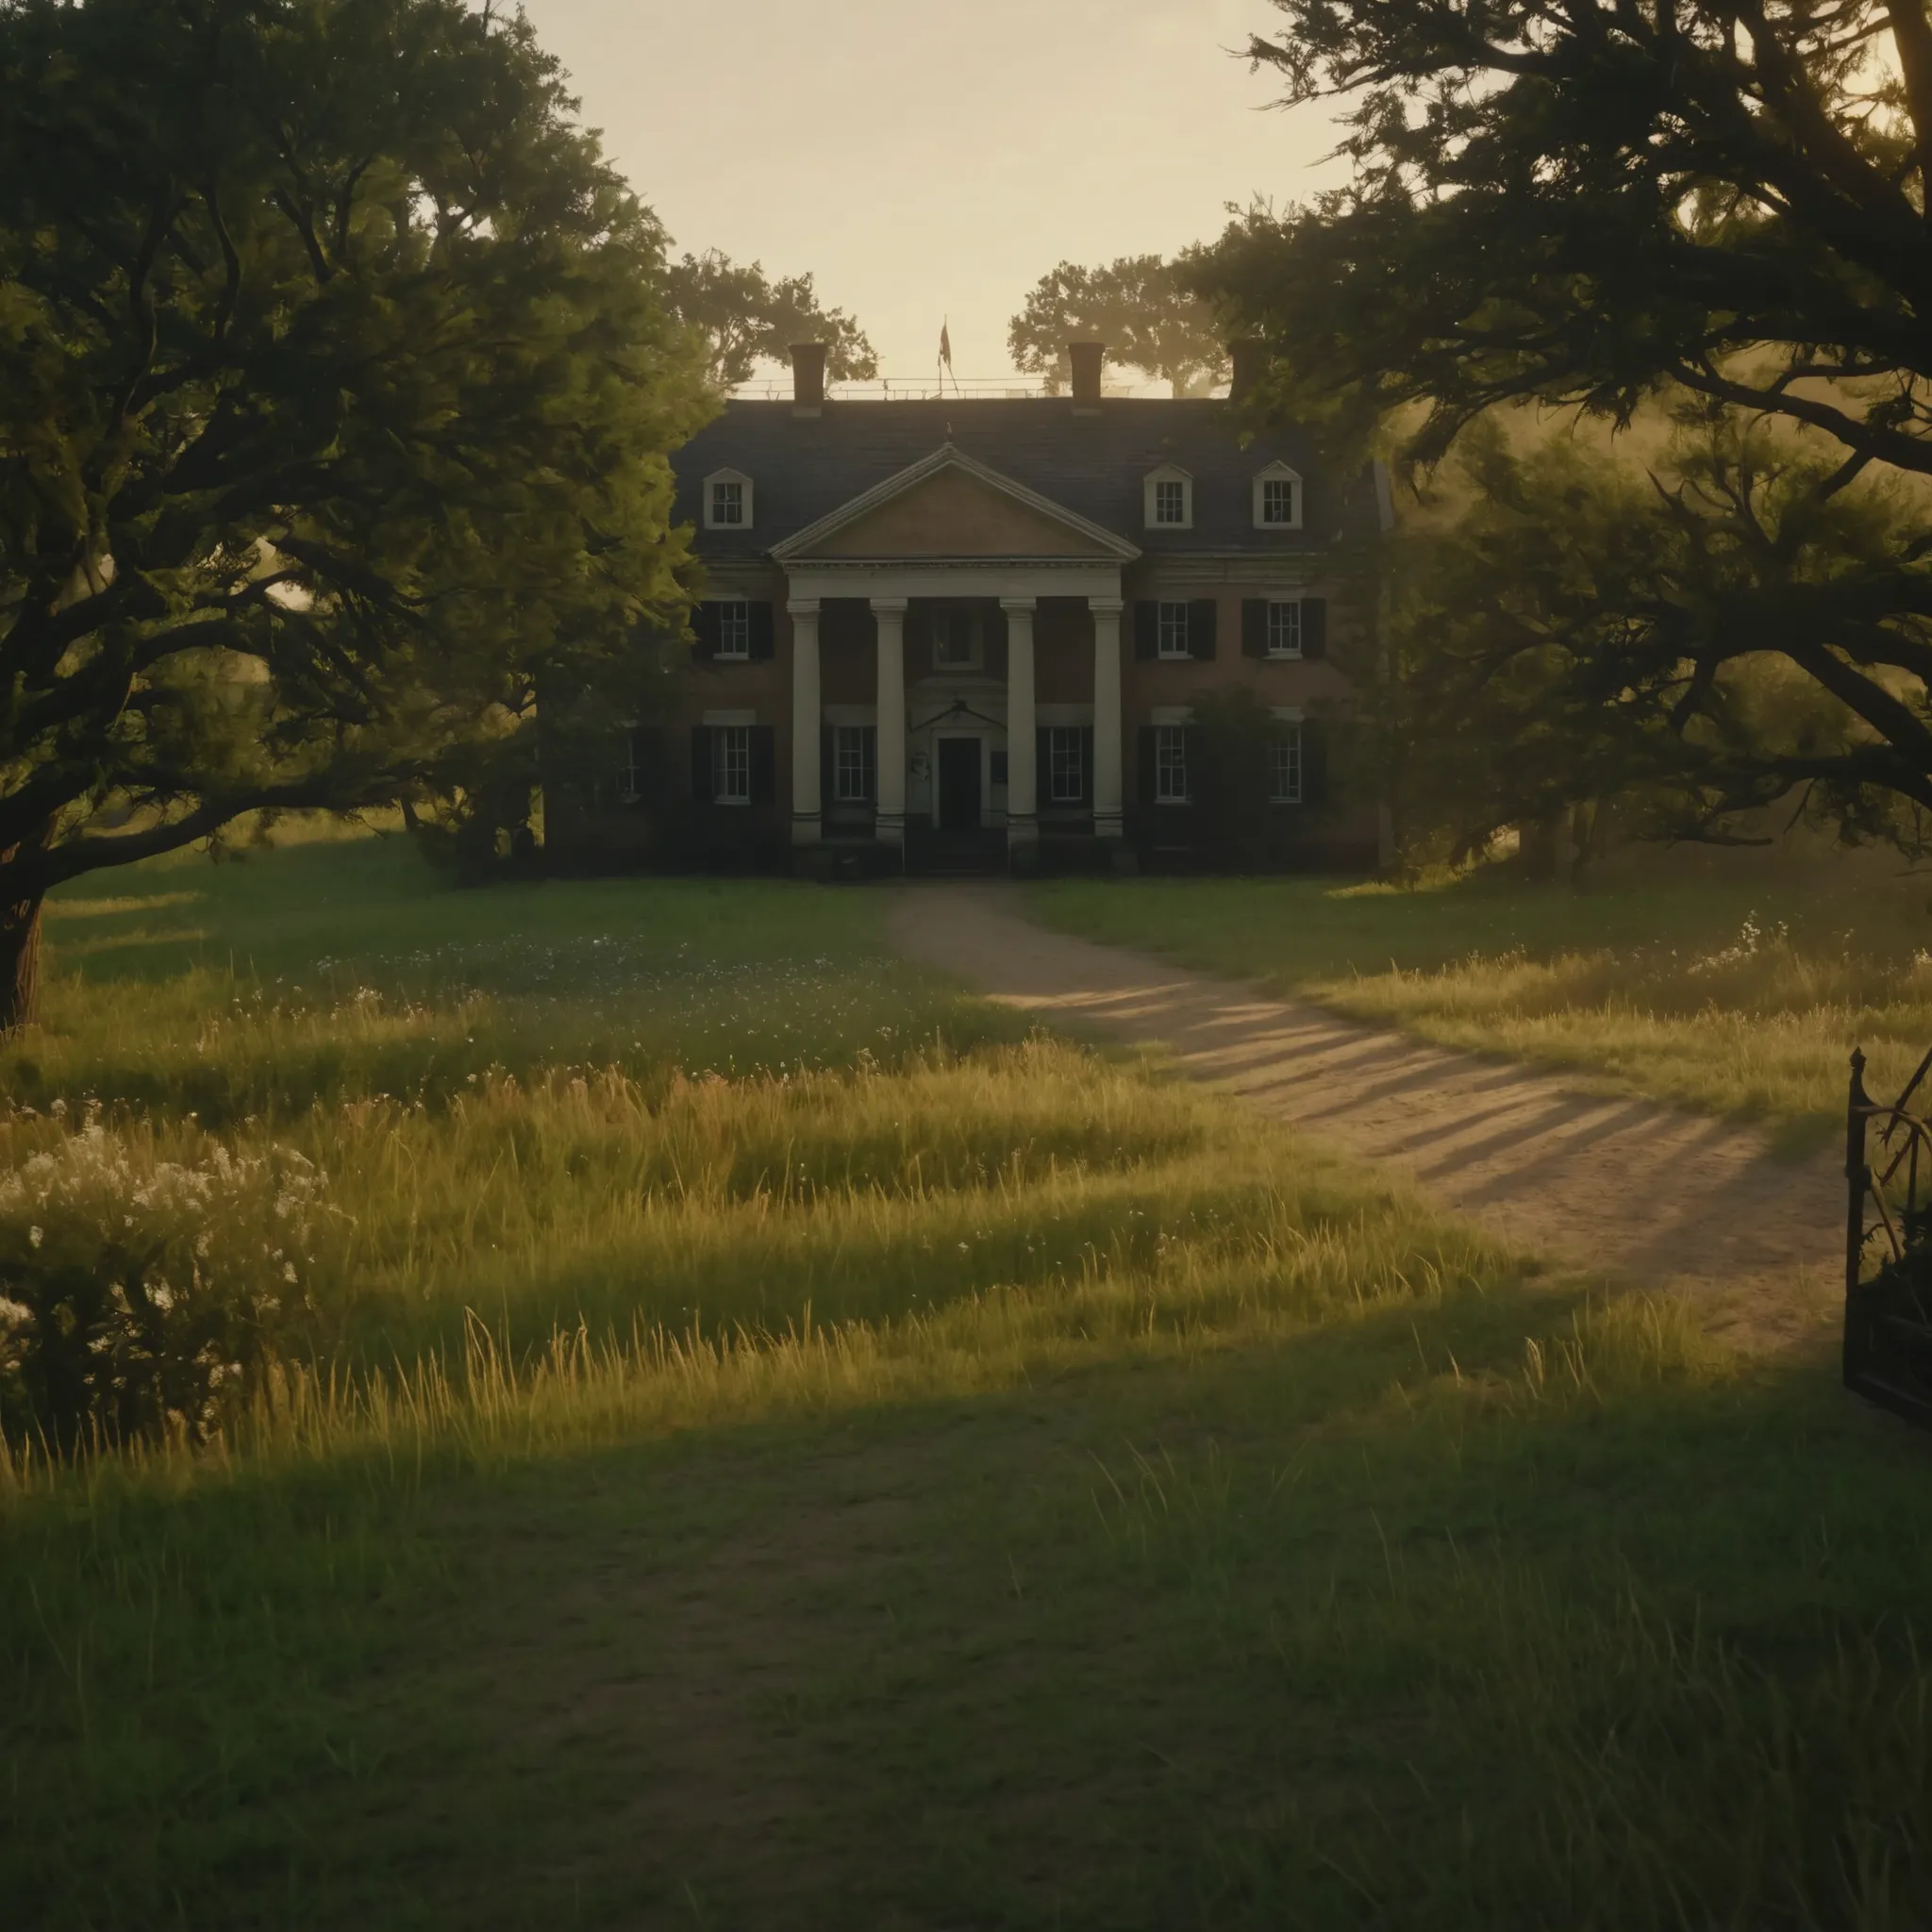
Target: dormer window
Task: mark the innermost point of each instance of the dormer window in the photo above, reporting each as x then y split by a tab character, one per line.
728	501
1278	499
1170	499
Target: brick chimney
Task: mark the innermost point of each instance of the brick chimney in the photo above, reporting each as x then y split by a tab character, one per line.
808	378
1087	358
1251	358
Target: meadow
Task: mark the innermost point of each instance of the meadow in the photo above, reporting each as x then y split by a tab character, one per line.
757	1438
1730	984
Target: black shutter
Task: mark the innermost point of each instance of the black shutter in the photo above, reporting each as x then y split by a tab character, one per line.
704	622
1143	744
760	628
1314	626
1042	768
1087	765
1191	760
1254	627
1201	627
1314	761
871	764
828	775
1146	628
764	765
701	763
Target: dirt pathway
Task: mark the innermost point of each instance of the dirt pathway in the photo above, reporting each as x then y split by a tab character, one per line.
1652	1196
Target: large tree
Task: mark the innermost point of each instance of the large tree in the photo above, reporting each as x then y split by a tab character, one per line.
335	388
742	317
1584	203
1139	305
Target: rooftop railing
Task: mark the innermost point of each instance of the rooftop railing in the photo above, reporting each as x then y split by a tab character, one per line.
928	389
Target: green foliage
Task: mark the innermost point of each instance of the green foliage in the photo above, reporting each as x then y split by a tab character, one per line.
1588	635
743	317
335	392
1140	307
1587	206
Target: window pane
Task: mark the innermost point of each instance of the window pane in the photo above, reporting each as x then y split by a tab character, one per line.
1173	630
630	774
1169	764
731	764
1066	777
734	629
727	503
1169	503
852	763
1278	501
1285	768
1285	630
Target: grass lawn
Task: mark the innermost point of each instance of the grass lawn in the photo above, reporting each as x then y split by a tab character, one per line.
768	1444
1740	992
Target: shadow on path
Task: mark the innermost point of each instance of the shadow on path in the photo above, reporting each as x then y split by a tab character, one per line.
1661	1198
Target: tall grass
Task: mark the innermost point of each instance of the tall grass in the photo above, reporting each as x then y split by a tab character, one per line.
1734	997
771	1441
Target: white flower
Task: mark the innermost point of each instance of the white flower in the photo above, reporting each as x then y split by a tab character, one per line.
36	1236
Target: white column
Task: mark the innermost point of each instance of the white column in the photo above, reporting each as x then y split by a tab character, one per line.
1022	805
1107	716
806	718
889	614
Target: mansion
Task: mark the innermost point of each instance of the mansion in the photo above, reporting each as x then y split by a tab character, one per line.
973	634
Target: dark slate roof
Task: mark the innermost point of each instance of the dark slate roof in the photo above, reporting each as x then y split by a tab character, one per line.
803	468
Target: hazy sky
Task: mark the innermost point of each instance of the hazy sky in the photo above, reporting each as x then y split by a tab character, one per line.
926	161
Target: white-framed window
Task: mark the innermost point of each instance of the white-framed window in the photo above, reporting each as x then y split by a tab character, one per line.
1285	766
1170	630
728	501
855	754
957	641
1066	765
1278	499
1285	628
1169	499
1169	764
731	764
734	626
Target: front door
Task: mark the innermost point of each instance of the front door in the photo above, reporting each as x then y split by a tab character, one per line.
959	785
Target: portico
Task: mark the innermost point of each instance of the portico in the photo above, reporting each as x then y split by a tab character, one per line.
953	563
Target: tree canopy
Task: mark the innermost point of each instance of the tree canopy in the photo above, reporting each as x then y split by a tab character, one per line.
336	384
1139	305
742	317
1583	203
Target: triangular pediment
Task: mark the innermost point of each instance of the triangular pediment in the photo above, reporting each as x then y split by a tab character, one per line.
949	505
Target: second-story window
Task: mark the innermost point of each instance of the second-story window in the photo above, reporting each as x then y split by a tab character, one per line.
1285	629
734	627
956	640
1172	631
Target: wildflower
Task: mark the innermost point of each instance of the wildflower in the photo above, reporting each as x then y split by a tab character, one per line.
36	1236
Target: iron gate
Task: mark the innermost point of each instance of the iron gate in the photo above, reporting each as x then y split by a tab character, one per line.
1888	1346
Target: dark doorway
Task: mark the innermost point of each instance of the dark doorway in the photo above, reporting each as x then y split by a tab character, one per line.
959	785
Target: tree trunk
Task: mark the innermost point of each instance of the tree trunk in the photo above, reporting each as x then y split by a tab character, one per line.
1539	847
20	964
